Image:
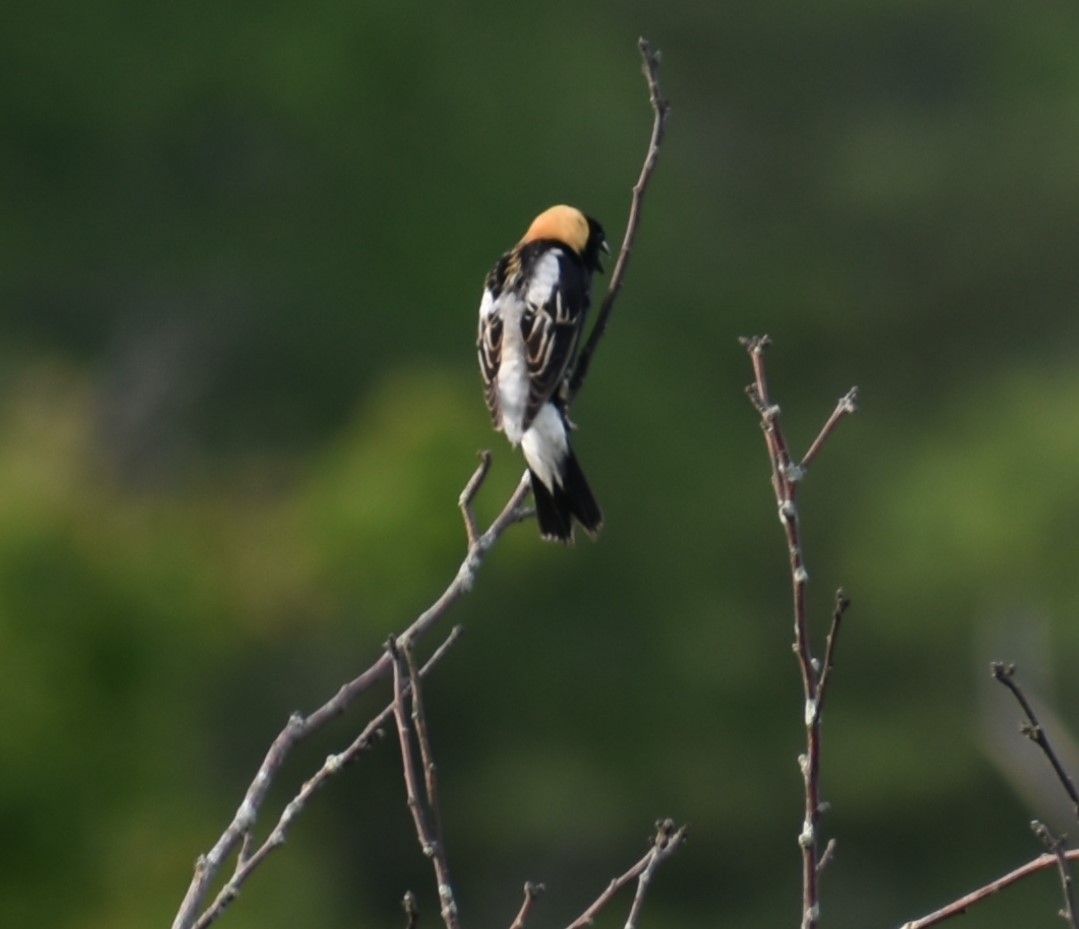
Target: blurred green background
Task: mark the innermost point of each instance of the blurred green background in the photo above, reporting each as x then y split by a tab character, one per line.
241	253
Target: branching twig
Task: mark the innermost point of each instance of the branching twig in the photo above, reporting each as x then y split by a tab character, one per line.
664	844
209	866
786	478
430	773
1059	856
371	734
957	907
1032	729
425	814
660	111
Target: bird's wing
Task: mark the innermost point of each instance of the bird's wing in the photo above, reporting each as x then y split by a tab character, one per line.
556	303
489	348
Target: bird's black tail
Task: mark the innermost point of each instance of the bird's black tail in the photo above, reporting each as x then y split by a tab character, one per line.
556	507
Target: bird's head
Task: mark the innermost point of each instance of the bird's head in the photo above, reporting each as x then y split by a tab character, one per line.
570	226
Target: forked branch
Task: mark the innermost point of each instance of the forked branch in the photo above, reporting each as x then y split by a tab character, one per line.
786	479
238	834
665	843
426	815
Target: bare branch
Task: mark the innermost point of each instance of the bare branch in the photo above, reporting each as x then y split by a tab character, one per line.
1059	856
786	479
1033	729
664	844
370	736
430	773
532	891
422	815
660	111
299	727
957	907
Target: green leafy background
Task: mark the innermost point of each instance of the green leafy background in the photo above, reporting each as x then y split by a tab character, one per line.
241	251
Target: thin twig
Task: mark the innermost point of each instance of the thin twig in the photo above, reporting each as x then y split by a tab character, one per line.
660	111
842	604
469	494
532	891
420	811
826	856
1005	673
665	843
786	479
1058	848
412	911
956	907
367	739
430	772
847	404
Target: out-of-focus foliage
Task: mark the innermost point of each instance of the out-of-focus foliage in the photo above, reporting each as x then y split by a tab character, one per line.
240	253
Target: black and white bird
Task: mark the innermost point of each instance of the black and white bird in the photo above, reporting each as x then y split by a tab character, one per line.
534	304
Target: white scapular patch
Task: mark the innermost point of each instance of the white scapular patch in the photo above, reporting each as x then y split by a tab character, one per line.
545	446
545	274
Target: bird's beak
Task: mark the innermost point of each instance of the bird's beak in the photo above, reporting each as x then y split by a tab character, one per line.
604	247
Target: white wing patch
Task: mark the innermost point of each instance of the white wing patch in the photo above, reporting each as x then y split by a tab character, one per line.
545	445
545	275
513	379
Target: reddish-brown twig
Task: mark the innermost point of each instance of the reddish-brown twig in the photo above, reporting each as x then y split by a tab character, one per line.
664	844
847	404
532	891
957	907
786	479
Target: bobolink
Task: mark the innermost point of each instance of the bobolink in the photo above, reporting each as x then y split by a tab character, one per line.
534	304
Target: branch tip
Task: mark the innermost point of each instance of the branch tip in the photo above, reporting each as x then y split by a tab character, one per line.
660	112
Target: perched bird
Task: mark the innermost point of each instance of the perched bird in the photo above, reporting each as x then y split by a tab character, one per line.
534	304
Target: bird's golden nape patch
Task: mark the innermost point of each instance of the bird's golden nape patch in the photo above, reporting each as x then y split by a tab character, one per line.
561	223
